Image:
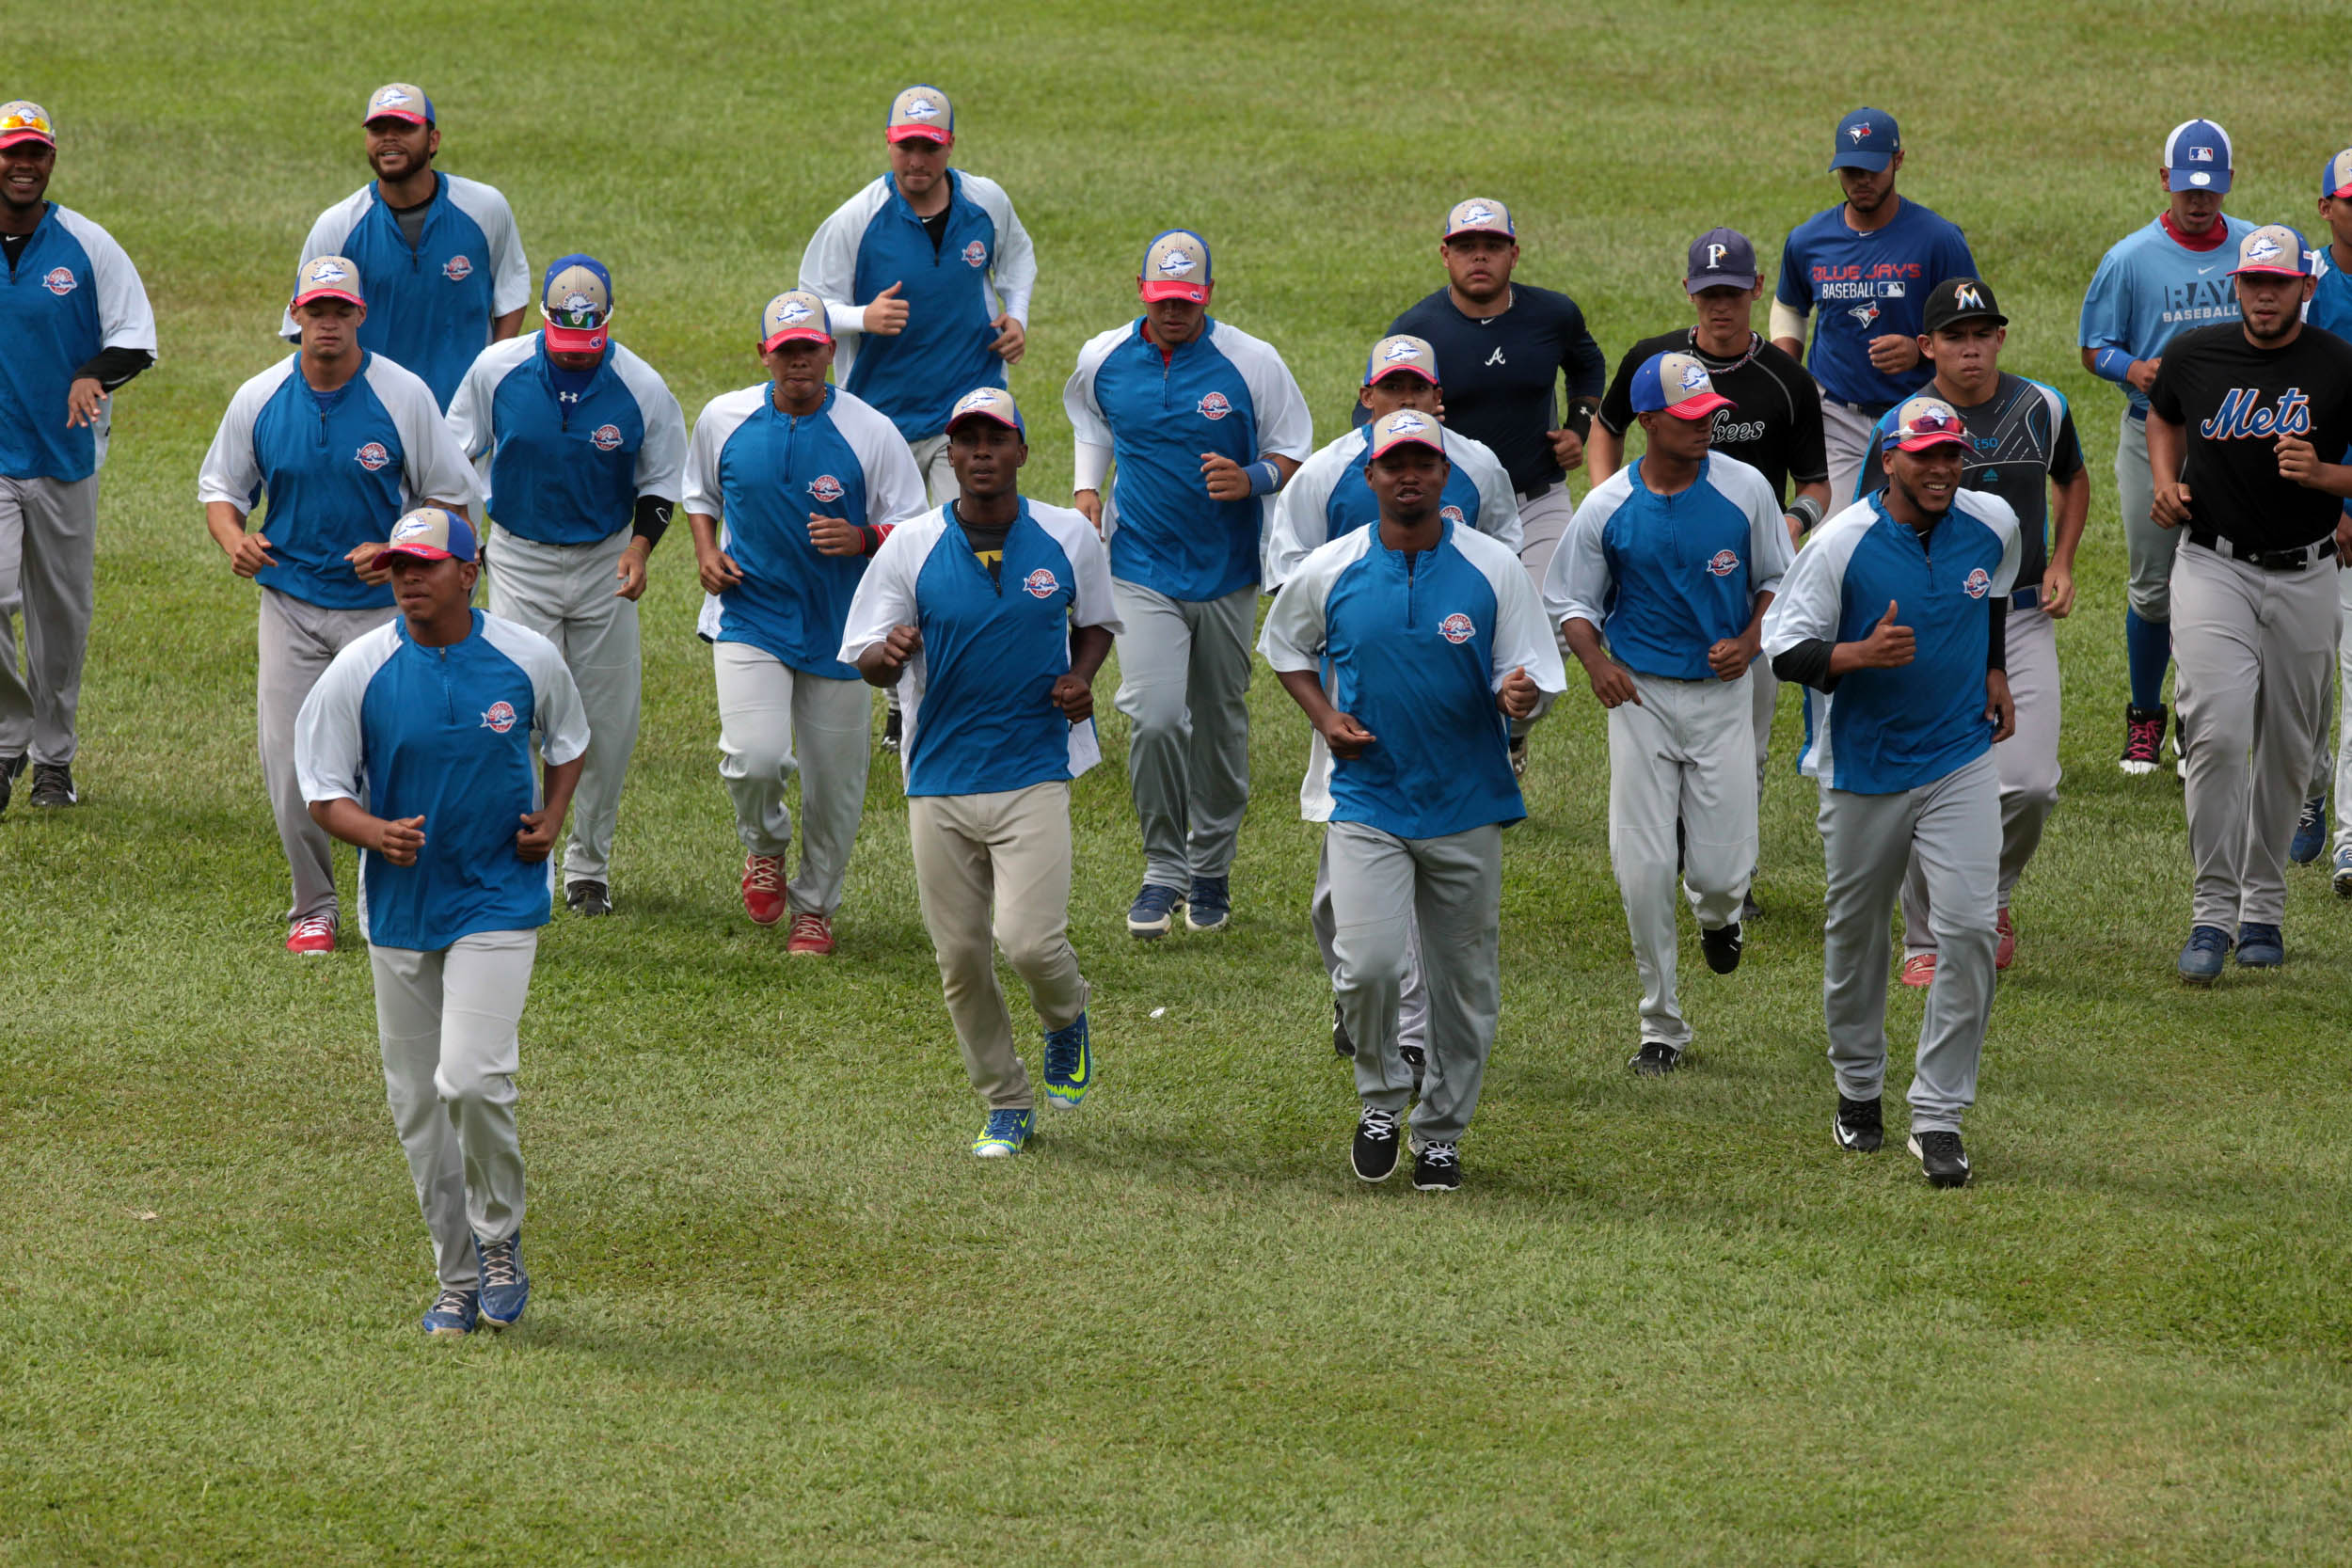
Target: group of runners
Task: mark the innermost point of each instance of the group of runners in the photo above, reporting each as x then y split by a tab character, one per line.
1886	517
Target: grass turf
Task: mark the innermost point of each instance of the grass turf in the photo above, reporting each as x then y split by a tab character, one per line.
779	1312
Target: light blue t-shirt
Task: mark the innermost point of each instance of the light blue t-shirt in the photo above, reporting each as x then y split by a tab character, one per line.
2150	286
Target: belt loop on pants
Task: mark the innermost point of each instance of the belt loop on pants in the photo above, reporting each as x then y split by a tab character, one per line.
2295	560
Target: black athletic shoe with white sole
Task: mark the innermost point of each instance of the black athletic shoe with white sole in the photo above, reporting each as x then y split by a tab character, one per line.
1375	1153
9	769
1943	1158
1655	1059
1860	1125
1437	1167
1722	947
52	784
588	898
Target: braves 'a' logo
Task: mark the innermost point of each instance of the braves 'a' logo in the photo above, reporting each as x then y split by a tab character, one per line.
373	456
825	487
1979	583
458	269
607	437
1722	563
976	254
1215	406
500	716
1456	628
1041	583
60	281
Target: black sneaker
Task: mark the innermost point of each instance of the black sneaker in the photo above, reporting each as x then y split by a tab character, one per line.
587	899
1749	908
1518	756
9	769
1340	1044
1417	1059
1722	947
1437	1167
1859	1127
894	728
52	784
1655	1059
1375	1154
1942	1158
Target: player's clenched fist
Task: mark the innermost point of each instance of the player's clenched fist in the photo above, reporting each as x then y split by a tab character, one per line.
1226	480
833	535
1517	696
1346	738
717	569
1074	695
399	841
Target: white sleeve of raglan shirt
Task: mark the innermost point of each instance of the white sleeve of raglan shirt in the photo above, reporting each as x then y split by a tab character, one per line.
1769	550
1091	603
719	419
473	418
1576	583
125	319
1809	606
1285	428
1297	518
510	272
829	266
894	485
1013	272
885	592
1086	421
330	751
1498	503
232	469
1522	640
433	468
557	715
661	460
1293	638
328	237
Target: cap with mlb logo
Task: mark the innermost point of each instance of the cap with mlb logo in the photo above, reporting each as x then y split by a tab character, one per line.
433	533
328	278
922	112
399	100
1402	352
25	120
1924	423
1176	266
1479	215
794	316
988	402
2196	157
2273	249
1960	299
1406	427
576	298
2334	181
1679	385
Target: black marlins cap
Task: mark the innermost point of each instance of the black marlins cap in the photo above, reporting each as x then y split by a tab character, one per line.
1961	299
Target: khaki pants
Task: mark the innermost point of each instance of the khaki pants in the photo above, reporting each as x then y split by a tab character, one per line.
1184	684
299	641
48	570
993	871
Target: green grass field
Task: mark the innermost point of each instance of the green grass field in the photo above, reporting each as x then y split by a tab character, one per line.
781	1314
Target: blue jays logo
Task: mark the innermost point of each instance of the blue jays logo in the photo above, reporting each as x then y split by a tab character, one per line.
1451	514
1040	584
1215	406
1866	312
1722	563
607	437
458	269
825	487
373	456
59	282
976	254
1979	583
1456	628
1860	132
498	717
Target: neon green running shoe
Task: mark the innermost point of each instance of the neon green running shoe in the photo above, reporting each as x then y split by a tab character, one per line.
1006	1132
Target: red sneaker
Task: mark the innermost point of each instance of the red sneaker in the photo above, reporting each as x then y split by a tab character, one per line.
763	888
1919	970
313	935
812	935
2005	951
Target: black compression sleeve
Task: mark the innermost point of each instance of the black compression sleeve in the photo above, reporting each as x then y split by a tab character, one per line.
653	519
111	367
1807	664
1997	645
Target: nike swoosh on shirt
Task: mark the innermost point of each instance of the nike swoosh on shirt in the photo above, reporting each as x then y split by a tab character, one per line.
2202	271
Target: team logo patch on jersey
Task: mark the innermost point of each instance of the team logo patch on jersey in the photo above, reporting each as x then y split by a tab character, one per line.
1456	628
825	487
60	281
1215	406
458	269
975	255
499	717
373	456
607	437
1041	584
1452	514
1979	583
1722	563
1866	312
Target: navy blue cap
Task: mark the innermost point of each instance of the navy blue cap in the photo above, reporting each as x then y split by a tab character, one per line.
1866	139
1720	259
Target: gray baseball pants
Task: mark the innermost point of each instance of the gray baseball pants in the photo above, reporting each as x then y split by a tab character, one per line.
1542	523
2343	755
1413	1008
566	593
298	641
1184	684
2148	548
939	475
2027	763
774	722
1680	753
1845	434
1452	886
447	1023
48	570
2251	650
1952	827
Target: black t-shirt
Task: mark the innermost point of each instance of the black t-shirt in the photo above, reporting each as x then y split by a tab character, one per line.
2020	438
936	226
988	542
2233	400
1499	372
12	245
1776	426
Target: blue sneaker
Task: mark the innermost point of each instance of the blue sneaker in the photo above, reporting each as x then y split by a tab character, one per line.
453	1313
1152	914
1006	1132
1211	903
504	1285
2310	833
2200	961
1069	1065
2260	947
2341	880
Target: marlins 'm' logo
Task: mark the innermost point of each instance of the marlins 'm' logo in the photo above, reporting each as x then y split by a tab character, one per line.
1213	406
1722	563
1041	583
825	487
1968	297
1979	583
373	456
1451	514
499	717
1456	628
976	254
458	269
60	281
607	437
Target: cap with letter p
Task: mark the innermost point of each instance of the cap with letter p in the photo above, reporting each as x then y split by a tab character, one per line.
2334	181
433	533
1676	383
794	316
2275	249
399	100
923	112
1959	299
328	278
1406	427
1405	353
23	120
988	402
1924	423
1866	139
2196	157
1479	215
576	298
1721	258
1176	266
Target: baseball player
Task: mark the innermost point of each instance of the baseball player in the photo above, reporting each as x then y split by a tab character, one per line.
1867	264
74	325
925	274
2022	448
581	450
343	441
1203	421
2151	285
1407	644
2239	417
2331	308
416	746
791	485
1675	559
1893	615
1001	607
438	254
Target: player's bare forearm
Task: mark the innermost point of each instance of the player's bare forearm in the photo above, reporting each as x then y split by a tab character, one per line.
1794	347
347	820
556	783
1307	691
1604	453
507	325
2072	511
1089	647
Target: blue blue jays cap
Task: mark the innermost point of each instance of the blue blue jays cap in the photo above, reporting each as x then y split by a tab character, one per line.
2196	157
1676	383
988	402
1721	258
433	533
1866	139
399	100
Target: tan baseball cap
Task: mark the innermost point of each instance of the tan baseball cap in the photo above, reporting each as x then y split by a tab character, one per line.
1406	427
1479	215
25	120
792	316
922	111
1176	266
1402	352
399	100
329	278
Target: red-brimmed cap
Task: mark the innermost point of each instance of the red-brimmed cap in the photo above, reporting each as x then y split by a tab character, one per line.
1924	422
792	316
25	120
329	278
922	111
433	533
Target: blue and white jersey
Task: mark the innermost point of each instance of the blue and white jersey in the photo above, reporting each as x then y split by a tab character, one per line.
445	734
568	466
1666	578
979	714
1414	647
1865	286
2149	287
338	469
982	267
429	305
2331	307
763	473
1327	497
71	292
1885	731
1224	393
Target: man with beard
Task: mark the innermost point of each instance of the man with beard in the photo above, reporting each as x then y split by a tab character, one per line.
438	254
2246	420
